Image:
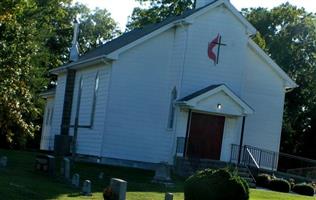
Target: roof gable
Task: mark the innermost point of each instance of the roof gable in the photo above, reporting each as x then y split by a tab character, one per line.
113	48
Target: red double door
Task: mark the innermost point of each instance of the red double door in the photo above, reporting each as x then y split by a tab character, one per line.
205	136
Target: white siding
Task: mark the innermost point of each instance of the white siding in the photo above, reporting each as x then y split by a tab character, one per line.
89	140
47	138
263	89
139	103
58	106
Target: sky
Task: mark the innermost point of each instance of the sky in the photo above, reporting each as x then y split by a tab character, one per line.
121	9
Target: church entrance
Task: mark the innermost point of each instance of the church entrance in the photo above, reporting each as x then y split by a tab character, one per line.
205	136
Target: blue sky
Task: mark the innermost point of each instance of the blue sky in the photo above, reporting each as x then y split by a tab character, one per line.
121	9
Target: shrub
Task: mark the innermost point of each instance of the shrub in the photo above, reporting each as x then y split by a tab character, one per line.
108	194
215	184
263	180
280	185
304	189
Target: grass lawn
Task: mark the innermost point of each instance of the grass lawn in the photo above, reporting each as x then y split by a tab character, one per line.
19	181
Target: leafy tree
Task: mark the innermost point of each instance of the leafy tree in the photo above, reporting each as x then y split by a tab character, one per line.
35	36
290	39
158	10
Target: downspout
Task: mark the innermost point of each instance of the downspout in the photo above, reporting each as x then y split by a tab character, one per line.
241	138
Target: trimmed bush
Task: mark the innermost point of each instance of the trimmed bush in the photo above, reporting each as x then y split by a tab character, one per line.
304	189
280	185
215	184
263	180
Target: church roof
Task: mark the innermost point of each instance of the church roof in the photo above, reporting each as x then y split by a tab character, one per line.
128	38
199	92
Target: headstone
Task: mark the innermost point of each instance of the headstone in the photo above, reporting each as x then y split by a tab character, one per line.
66	166
162	173
51	165
169	196
86	188
3	161
75	180
119	187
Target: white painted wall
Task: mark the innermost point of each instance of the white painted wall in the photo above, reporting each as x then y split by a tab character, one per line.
47	138
89	140
58	106
242	71
136	128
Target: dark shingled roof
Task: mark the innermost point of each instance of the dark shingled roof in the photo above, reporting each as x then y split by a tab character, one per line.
133	35
198	93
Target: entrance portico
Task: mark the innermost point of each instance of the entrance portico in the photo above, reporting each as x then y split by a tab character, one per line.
213	115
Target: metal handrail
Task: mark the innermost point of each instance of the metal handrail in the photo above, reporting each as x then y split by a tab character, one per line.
252	158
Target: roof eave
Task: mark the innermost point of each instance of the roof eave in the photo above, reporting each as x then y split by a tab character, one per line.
104	59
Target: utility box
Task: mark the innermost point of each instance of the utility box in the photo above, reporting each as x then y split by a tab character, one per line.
62	145
45	163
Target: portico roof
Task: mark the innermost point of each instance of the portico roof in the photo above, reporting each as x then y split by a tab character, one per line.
218	99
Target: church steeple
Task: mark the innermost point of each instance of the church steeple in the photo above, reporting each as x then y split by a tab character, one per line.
74	51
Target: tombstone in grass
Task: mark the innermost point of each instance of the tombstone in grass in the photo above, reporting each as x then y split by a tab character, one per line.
119	187
169	196
66	168
162	174
86	188
75	181
3	161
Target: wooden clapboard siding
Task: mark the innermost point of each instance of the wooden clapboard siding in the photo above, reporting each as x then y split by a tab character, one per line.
58	105
139	103
90	139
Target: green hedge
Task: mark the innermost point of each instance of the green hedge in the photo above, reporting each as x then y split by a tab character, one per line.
263	180
280	185
304	189
215	184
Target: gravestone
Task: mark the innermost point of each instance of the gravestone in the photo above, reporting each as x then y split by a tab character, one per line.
3	161
75	180
119	187
66	167
169	196
86	188
162	173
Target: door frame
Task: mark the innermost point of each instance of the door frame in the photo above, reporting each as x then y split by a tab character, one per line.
189	127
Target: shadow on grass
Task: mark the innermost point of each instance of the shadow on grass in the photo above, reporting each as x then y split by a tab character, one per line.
20	181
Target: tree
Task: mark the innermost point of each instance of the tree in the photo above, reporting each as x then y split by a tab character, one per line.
158	11
35	36
289	35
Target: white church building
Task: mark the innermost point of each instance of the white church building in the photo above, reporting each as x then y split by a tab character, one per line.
190	86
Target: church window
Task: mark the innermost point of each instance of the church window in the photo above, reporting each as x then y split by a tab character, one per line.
172	108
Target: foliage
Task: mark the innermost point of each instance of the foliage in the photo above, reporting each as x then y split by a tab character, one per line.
29	47
289	38
280	185
19	181
263	180
304	189
108	194
158	11
215	184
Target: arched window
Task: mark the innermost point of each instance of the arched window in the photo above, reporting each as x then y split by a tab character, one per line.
95	92
172	108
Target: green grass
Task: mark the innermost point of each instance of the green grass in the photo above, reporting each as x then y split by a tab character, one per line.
19	181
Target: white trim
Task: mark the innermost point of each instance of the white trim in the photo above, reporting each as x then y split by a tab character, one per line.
77	65
247	110
116	53
251	30
288	82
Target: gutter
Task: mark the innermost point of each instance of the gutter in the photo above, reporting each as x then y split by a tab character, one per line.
76	65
